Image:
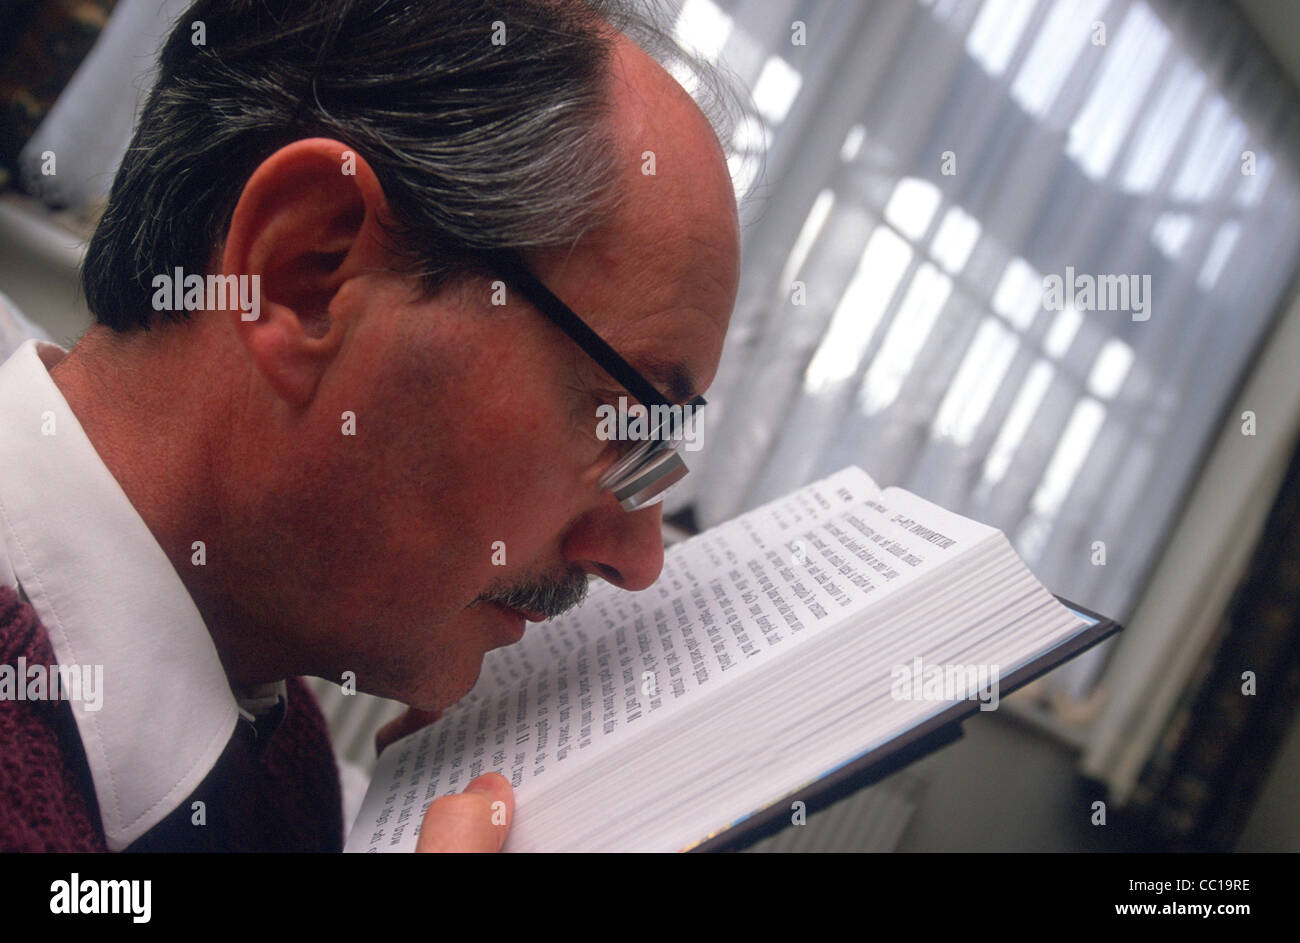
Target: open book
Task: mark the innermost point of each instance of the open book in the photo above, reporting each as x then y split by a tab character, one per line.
790	655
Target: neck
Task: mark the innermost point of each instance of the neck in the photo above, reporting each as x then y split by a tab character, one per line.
149	402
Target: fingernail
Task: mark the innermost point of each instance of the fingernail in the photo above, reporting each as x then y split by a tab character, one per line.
482	785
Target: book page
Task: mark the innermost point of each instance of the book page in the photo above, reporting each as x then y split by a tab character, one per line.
728	599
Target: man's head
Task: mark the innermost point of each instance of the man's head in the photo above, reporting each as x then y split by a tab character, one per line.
361	158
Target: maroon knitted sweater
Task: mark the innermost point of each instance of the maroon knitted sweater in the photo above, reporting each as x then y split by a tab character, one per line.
276	794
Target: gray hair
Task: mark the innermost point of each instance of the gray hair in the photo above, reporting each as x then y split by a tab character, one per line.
478	146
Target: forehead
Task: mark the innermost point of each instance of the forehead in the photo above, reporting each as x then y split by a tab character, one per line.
659	281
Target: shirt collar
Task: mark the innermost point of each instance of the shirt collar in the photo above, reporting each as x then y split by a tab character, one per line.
108	595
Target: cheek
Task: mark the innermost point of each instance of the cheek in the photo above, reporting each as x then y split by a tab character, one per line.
516	480
472	505
479	462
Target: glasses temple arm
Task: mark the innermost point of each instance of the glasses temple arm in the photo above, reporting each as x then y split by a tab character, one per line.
558	312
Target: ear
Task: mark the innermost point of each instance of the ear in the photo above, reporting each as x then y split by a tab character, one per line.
307	220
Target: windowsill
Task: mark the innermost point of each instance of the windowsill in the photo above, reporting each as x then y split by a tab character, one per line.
59	238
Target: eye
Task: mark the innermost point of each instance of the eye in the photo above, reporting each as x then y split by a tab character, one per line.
618	448
609	450
588	423
613	450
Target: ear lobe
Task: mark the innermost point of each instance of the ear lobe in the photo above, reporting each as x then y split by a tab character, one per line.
306	221
290	369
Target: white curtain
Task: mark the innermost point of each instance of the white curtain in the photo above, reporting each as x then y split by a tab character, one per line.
928	165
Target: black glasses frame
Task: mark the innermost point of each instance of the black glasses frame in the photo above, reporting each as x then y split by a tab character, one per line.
518	275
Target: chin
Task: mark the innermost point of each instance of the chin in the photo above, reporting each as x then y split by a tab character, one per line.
448	697
440	690
452	668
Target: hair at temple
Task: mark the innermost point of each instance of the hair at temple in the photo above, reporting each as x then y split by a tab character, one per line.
477	146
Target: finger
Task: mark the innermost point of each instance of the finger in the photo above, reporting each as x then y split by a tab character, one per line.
408	723
475	820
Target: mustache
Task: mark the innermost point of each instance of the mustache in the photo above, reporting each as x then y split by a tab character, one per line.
549	596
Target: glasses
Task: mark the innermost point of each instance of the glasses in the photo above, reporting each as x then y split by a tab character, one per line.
645	475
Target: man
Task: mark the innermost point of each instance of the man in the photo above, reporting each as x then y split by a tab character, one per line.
315	480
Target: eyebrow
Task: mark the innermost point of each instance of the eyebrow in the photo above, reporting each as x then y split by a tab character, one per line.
670	376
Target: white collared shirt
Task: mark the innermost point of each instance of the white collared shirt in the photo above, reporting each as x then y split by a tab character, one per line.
108	596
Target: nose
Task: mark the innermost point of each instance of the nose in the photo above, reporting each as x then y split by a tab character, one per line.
624	548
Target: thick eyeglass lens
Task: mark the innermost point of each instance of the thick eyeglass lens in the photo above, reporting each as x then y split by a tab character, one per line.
645	476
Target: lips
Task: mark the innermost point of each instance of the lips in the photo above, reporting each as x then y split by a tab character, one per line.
516	621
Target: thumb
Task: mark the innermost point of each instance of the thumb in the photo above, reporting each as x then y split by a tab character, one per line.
474	820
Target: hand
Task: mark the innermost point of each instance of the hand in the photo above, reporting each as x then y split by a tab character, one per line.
474	820
409	722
